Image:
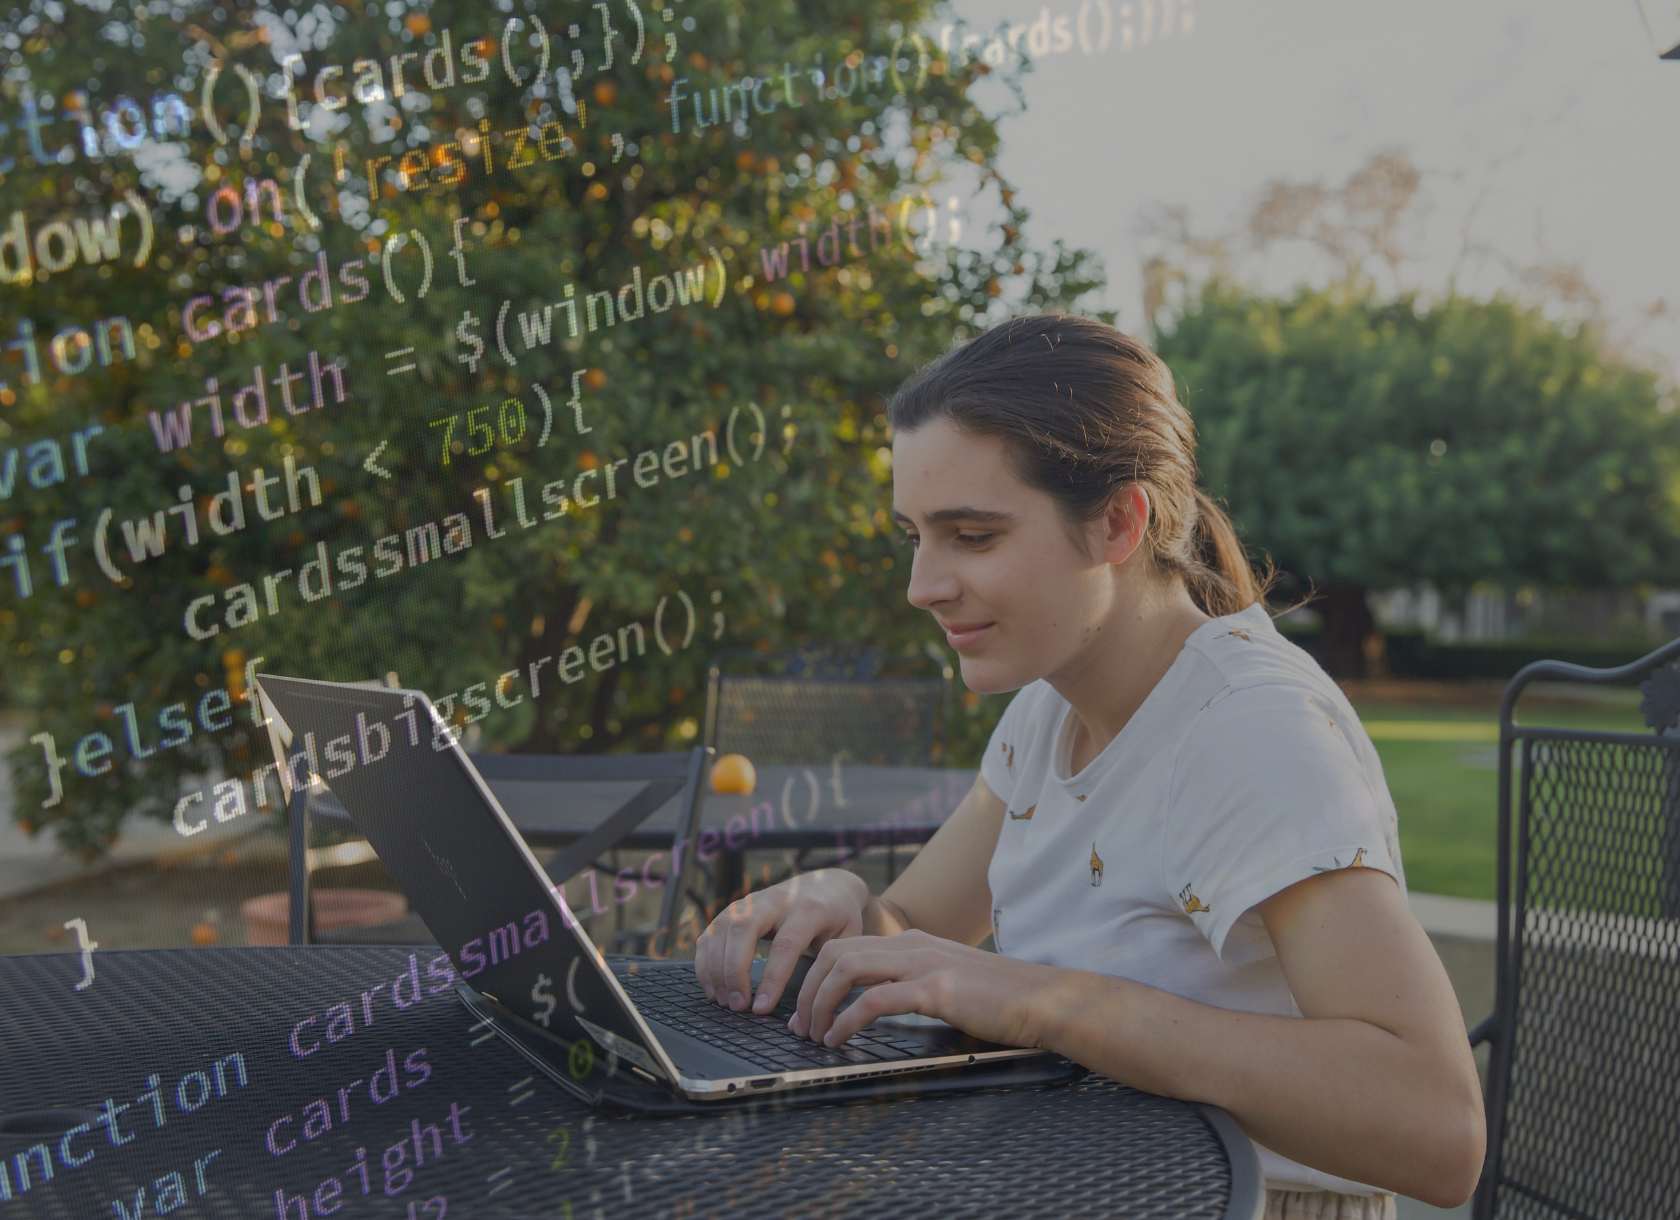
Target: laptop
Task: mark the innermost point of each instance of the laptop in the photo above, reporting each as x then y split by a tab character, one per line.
520	956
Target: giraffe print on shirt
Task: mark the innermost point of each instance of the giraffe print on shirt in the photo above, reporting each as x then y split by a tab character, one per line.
1358	861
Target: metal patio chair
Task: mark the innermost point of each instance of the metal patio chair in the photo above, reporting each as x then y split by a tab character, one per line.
1583	1088
824	708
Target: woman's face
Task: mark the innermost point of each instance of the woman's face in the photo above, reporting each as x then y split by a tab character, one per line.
991	552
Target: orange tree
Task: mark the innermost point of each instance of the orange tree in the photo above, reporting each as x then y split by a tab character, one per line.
556	164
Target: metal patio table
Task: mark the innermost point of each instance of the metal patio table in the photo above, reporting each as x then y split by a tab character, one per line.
804	804
200	1038
881	806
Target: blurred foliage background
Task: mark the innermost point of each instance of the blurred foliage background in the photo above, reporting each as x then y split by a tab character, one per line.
793	542
1365	432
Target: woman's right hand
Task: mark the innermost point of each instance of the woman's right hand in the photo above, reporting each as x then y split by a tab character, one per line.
803	912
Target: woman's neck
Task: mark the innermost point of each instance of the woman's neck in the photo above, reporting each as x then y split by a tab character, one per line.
1124	660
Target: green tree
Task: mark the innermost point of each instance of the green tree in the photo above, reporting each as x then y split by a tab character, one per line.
792	544
1368	444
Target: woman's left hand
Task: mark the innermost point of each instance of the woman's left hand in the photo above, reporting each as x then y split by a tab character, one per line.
981	993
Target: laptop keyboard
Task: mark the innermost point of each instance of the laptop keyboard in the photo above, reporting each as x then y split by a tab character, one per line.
673	997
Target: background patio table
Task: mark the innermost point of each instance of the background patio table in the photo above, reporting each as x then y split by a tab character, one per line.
903	805
1096	1148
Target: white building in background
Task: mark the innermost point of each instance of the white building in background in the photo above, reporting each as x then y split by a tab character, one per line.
1491	613
1664	611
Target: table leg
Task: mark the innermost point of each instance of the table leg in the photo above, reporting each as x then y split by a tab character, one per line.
299	917
731	868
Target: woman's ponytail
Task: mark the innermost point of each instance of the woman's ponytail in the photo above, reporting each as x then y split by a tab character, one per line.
1220	579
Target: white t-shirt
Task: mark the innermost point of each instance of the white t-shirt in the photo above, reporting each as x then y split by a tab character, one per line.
1244	771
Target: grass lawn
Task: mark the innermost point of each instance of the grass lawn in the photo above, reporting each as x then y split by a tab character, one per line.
1441	762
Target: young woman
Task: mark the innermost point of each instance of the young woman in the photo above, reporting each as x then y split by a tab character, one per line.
1180	838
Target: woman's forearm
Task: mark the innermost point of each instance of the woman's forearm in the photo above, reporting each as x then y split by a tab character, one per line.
1339	1095
883	917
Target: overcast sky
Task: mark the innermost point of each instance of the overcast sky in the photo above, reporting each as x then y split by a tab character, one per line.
1559	110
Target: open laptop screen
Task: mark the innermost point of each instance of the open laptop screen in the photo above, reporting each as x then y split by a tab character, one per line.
395	767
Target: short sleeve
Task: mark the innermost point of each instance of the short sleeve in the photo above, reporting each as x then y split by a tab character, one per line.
1267	790
999	765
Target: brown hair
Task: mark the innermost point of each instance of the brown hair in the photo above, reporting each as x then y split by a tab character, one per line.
1083	410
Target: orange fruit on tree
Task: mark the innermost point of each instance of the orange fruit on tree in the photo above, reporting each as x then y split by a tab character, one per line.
205	934
733	774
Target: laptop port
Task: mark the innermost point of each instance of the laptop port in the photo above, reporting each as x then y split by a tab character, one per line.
765	1083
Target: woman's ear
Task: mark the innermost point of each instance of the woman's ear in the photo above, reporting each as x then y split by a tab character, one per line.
1125	523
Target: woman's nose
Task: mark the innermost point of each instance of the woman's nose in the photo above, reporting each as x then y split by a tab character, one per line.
931	582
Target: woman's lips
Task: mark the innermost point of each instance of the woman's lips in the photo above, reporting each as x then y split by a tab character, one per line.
961	639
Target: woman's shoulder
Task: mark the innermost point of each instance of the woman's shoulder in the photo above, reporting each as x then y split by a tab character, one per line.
1245	650
1277	714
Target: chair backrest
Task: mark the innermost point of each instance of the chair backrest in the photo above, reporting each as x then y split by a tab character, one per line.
824	712
1583	1093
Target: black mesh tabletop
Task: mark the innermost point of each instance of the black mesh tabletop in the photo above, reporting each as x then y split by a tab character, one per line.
399	1106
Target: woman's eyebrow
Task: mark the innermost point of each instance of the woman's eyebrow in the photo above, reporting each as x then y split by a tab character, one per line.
989	516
